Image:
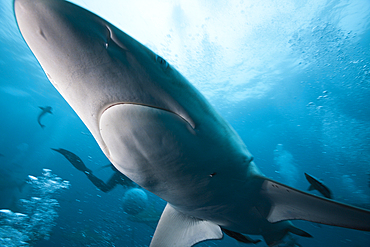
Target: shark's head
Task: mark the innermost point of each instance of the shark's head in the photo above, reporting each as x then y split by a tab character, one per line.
94	65
141	111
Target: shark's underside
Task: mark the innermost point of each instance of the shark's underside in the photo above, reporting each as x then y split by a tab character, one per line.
158	130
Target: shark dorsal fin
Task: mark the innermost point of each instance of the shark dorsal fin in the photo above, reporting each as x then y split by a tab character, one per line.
177	229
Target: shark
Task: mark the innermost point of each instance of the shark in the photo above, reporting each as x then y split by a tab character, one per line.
44	111
316	184
160	131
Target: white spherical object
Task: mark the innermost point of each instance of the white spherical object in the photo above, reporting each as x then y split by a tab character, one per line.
134	201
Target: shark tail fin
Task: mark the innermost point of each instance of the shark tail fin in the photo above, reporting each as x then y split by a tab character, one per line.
177	229
288	203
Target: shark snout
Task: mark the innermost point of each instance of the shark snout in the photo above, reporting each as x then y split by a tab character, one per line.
95	66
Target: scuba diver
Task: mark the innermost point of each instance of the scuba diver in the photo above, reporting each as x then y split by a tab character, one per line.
135	200
116	178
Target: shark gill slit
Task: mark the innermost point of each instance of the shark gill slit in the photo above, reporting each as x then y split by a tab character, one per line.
190	122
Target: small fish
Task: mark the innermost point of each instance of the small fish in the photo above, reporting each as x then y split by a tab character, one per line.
45	110
319	186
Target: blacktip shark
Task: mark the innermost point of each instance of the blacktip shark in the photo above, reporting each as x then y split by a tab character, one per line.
316	184
44	110
158	130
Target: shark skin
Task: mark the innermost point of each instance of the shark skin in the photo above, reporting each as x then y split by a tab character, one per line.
159	131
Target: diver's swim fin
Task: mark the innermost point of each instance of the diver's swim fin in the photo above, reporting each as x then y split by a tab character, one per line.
289	204
73	159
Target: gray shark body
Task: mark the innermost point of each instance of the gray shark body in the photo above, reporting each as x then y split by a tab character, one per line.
158	130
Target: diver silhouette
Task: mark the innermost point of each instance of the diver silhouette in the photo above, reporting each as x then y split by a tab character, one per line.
115	179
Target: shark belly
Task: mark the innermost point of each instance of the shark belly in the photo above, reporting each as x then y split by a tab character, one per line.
160	151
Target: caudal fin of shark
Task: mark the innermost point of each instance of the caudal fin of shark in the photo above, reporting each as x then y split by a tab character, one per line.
290	204
177	229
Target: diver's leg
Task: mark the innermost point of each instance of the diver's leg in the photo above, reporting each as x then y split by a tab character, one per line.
97	182
119	178
113	181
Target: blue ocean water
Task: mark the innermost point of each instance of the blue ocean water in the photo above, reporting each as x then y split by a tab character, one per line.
292	78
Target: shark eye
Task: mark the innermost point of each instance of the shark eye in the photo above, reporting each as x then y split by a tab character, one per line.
163	63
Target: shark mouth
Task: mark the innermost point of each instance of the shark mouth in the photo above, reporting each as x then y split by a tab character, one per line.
188	120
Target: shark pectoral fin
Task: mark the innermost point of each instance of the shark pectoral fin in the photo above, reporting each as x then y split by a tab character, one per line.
288	204
177	229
